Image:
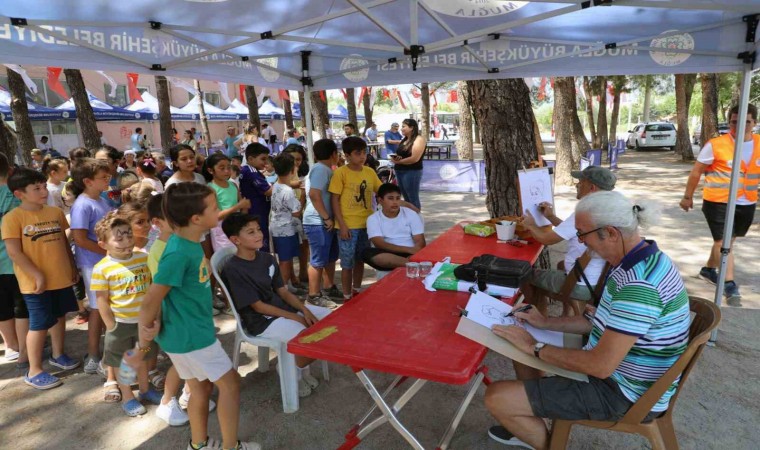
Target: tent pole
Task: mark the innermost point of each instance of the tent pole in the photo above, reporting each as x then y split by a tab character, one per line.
733	188
306	107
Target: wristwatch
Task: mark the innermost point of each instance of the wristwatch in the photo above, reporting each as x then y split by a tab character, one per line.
537	348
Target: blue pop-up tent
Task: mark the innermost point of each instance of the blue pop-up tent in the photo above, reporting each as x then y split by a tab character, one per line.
327	44
36	111
102	110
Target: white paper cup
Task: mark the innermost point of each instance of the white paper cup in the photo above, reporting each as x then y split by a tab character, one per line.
505	232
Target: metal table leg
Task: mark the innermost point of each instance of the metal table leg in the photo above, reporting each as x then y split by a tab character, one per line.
449	434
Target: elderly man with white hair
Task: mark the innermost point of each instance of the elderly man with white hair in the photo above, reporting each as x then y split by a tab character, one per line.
638	331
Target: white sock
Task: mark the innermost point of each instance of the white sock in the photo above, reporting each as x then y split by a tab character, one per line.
300	372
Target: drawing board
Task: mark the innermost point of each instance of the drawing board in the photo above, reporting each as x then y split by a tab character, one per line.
535	187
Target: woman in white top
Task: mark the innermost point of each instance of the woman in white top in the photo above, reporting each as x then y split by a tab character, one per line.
250	136
189	140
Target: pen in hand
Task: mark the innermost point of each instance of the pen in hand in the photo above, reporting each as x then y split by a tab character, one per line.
517	310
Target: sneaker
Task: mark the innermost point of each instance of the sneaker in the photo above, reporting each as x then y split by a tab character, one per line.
709	274
332	292
64	362
184	399
219	303
11	355
321	301
172	414
91	365
731	292
297	289
304	390
310	380
210	444
250	445
500	434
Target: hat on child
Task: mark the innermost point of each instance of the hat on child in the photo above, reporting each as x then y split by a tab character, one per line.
599	176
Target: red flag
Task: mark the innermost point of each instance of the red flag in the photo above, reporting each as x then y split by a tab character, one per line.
551	82
542	89
400	99
386	93
343	91
54	84
241	93
415	93
361	97
322	96
134	94
435	99
284	94
453	96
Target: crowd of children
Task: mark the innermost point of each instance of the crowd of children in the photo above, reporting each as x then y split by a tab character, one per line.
132	246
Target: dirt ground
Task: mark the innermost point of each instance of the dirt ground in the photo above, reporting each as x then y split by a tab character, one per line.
717	409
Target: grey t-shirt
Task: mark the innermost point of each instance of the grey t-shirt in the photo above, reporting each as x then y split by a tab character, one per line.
254	281
318	178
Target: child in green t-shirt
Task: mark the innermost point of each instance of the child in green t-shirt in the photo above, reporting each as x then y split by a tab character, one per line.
181	291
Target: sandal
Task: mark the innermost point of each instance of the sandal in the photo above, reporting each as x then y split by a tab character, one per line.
157	379
134	408
150	396
111	392
42	381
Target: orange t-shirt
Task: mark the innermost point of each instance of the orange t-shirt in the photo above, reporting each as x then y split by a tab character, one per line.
43	241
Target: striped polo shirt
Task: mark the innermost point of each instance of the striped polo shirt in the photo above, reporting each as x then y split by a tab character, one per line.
645	297
126	280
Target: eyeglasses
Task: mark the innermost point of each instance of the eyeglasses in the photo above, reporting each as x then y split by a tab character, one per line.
580	235
104	177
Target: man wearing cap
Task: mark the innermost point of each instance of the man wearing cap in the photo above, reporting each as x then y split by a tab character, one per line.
392	139
715	160
591	179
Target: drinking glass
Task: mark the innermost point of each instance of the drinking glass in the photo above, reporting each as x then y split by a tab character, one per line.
412	270
425	268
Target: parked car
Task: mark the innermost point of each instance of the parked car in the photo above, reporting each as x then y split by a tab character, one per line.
722	129
651	135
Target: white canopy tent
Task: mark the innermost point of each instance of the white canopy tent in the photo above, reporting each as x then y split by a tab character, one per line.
325	44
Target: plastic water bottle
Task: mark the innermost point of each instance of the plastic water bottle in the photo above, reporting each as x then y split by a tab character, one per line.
127	374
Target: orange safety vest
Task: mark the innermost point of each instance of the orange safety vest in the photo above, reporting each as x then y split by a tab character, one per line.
718	174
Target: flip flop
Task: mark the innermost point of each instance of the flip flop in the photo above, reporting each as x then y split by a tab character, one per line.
42	381
111	392
133	408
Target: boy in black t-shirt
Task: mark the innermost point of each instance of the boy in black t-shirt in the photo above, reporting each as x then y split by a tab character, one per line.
265	305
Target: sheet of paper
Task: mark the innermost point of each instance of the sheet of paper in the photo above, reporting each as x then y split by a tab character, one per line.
535	187
488	311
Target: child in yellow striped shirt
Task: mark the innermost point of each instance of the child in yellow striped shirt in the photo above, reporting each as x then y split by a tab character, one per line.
120	281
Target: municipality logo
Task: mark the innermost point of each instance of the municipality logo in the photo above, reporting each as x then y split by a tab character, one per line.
674	42
269	75
359	74
475	9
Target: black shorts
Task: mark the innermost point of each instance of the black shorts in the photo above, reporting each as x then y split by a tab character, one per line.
715	214
371	252
563	398
12	305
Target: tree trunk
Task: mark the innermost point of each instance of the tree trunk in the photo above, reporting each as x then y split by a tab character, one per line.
204	120
736	91
351	107
590	109
164	113
319	111
684	89
709	107
425	111
647	97
505	115
9	144
601	123
287	107
20	112
301	102
570	142
253	107
612	139
464	143
367	103
85	116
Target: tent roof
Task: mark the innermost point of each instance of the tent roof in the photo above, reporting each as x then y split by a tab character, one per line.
36	111
371	42
101	109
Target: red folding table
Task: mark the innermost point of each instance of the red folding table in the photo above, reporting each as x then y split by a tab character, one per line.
398	327
462	247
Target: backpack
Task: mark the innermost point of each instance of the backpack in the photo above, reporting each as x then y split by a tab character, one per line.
490	269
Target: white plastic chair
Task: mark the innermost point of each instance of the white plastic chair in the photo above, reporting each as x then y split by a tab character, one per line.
286	362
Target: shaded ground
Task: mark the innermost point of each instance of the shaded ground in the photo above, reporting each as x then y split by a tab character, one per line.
717	409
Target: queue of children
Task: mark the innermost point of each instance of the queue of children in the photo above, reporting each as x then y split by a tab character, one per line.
135	252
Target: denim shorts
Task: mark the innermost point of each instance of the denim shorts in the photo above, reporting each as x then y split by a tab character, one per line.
351	249
323	245
45	309
286	247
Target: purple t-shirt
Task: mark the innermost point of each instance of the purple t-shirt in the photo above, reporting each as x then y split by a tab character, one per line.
85	213
253	185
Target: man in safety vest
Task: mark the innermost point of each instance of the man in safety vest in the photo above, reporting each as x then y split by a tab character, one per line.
715	162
